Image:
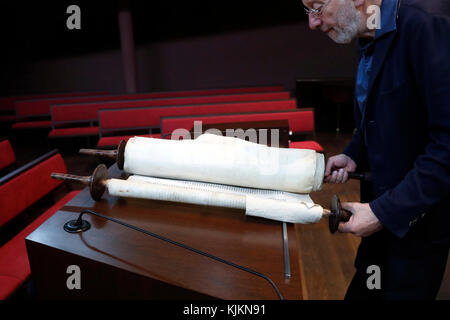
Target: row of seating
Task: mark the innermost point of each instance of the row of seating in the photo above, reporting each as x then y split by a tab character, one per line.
301	121
71	119
113	121
36	112
8	104
19	191
108	115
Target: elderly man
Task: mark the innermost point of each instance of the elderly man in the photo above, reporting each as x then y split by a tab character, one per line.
402	112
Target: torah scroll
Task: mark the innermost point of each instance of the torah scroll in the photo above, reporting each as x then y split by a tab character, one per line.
274	205
226	160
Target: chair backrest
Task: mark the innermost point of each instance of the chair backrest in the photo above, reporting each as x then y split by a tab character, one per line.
87	112
143	118
7	156
26	185
301	121
41	107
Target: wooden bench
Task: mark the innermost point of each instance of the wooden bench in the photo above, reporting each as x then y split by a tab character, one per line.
301	122
75	115
20	190
38	109
113	121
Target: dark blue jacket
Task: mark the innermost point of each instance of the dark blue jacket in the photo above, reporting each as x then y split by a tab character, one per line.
405	127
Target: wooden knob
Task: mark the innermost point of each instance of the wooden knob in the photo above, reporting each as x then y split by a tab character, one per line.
360	176
96	181
337	214
118	154
70	177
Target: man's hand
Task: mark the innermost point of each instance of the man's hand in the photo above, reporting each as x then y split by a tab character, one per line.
338	167
363	221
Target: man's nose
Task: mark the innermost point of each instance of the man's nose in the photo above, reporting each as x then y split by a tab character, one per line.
314	22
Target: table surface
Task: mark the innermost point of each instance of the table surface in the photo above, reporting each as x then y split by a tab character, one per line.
255	243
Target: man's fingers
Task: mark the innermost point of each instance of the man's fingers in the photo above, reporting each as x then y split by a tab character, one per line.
340	176
328	167
337	176
333	177
349	206
345	177
345	227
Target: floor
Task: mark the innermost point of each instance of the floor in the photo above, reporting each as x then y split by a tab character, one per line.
326	260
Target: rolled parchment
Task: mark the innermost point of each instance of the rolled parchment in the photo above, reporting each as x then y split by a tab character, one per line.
267	204
226	160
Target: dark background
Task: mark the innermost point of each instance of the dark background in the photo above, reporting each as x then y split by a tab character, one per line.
180	45
32	30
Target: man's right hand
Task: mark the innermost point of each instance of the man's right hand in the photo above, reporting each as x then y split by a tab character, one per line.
338	167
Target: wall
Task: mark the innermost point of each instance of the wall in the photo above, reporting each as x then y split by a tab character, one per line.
263	56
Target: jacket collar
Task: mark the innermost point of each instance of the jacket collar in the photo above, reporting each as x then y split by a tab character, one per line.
383	40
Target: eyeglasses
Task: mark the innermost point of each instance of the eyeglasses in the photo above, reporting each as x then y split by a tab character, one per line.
317	13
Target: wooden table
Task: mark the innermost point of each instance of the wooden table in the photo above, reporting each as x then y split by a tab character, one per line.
117	262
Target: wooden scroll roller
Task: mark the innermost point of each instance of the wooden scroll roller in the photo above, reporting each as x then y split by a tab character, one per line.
336	215
118	154
98	182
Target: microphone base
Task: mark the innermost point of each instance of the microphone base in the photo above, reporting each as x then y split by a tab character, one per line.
73	226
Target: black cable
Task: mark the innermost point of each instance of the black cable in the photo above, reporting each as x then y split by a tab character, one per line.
182	246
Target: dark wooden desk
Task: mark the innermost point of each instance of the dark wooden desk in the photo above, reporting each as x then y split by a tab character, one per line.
117	262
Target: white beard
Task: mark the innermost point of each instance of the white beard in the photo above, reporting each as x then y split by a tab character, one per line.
348	25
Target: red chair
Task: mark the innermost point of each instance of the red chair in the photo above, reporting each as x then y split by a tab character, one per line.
19	190
7	156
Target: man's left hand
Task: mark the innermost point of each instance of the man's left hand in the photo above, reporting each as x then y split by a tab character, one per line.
363	221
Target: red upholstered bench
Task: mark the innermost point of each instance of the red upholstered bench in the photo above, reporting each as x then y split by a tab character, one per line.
115	120
301	121
7	156
8	104
87	113
27	109
73	132
18	191
32	124
41	107
7	118
306	145
114	141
